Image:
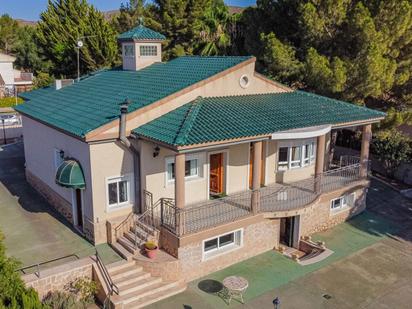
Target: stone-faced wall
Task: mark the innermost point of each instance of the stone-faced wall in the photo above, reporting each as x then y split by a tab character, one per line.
258	237
58	278
320	217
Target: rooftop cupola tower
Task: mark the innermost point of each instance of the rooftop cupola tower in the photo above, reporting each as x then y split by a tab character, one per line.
141	47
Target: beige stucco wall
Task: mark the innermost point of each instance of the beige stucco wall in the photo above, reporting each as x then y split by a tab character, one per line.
287	176
139	62
40	142
110	160
153	171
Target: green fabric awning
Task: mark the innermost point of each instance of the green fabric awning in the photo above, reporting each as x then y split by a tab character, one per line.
70	175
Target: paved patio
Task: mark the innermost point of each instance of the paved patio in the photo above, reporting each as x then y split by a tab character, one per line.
371	267
33	231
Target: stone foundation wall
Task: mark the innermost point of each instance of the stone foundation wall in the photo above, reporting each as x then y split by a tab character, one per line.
60	204
59	278
320	217
257	238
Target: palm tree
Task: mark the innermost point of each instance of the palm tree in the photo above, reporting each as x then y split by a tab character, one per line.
214	36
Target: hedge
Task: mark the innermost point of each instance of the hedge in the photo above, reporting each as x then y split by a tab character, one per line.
10	101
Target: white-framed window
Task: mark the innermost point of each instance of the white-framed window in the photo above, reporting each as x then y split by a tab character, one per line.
128	50
191	168
58	158
148	50
292	155
221	244
118	191
342	202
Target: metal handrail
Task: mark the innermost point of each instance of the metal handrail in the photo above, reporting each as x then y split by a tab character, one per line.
147	218
37	265
113	288
272	198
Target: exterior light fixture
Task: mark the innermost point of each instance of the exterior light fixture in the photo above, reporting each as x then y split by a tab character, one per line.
61	152
156	151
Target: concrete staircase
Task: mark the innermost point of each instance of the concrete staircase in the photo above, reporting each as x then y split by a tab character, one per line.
138	288
131	242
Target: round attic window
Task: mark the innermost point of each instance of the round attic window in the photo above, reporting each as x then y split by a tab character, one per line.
244	81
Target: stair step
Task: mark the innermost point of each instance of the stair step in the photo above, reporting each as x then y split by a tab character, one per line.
141	232
131	237
125	273
147	291
116	266
140	285
155	297
122	251
131	279
127	244
131	266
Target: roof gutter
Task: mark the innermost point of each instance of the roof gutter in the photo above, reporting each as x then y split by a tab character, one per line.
135	154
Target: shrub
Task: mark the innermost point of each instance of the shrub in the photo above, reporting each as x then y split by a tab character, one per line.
84	289
13	293
10	101
62	300
391	148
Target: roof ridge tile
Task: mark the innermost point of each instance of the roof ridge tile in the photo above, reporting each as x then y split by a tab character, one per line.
188	121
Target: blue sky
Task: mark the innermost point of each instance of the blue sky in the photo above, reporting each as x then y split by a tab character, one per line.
30	9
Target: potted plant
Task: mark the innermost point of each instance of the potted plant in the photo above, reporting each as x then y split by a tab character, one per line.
151	249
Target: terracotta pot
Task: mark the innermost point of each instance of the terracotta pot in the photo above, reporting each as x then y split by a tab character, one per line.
151	253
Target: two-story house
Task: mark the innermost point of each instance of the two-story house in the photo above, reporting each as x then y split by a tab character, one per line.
13	81
215	160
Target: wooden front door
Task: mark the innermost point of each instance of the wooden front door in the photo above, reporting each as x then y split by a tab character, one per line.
216	173
79	208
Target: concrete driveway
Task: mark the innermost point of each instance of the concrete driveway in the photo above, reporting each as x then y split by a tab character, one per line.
33	231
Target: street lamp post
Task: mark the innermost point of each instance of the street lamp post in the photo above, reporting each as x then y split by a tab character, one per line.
4	132
80	45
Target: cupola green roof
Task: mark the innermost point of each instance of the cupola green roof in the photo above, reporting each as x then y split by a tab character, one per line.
217	119
141	33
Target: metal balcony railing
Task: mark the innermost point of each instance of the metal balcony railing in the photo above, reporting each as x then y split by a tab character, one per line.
276	197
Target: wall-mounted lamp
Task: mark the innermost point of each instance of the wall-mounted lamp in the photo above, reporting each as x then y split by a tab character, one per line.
61	154
156	151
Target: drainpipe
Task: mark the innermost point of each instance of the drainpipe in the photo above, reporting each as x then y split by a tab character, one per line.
135	152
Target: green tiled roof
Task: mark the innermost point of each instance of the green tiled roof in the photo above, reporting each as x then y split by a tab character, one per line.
222	118
141	33
94	101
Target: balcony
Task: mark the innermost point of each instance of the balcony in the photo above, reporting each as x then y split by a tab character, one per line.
272	198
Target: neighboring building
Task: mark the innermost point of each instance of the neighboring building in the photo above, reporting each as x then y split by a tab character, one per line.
203	152
13	81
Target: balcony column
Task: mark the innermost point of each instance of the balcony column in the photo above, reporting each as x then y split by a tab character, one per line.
364	156
256	175
320	161
180	161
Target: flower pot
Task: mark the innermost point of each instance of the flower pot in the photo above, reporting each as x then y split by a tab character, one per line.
151	249
151	253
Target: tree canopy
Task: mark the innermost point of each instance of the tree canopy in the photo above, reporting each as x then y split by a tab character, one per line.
63	24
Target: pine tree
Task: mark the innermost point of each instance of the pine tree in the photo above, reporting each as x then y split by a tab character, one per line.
62	24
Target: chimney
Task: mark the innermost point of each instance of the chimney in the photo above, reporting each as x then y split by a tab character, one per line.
61	83
124	107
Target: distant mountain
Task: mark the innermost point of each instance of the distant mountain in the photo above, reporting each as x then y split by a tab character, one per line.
110	14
